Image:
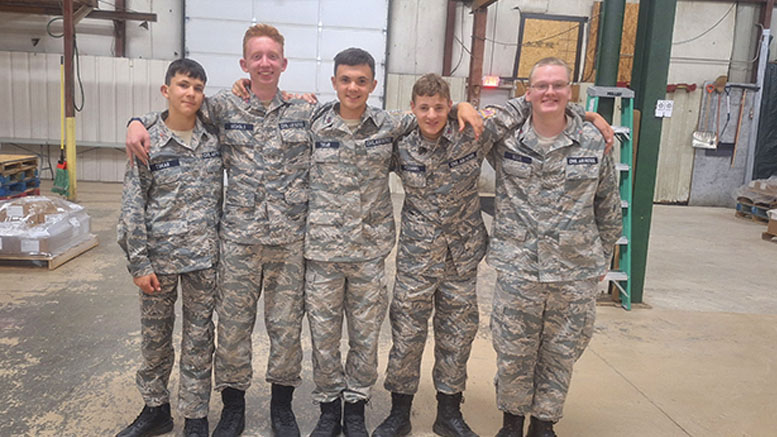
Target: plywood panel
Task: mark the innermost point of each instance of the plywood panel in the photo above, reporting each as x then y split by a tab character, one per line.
675	158
628	39
543	38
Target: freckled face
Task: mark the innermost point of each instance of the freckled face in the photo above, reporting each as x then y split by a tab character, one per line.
263	60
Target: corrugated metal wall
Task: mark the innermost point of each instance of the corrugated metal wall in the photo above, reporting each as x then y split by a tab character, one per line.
115	89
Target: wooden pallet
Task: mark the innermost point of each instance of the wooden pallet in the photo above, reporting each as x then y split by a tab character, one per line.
28	192
10	164
769	237
53	261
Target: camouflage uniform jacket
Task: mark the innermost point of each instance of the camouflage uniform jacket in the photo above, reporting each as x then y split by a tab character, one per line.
266	155
558	213
441	212
350	215
170	209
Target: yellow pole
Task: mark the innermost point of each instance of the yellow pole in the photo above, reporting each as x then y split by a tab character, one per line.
61	103
70	155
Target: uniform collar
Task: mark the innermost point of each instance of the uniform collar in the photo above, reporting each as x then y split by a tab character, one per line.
569	136
370	115
164	134
256	104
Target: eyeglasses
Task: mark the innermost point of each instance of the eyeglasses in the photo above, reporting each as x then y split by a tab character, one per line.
543	86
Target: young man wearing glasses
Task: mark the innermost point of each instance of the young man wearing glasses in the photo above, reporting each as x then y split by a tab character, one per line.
558	215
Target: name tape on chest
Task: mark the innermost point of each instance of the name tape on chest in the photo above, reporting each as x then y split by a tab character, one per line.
582	160
457	162
516	157
299	124
327	144
378	142
164	164
415	168
239	126
209	155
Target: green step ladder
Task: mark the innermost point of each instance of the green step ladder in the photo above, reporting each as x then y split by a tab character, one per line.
621	278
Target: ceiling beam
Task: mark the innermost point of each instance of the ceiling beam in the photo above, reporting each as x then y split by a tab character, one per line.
45	9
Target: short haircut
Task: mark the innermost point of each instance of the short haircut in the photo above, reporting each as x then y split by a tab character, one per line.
353	57
431	84
185	66
262	29
551	61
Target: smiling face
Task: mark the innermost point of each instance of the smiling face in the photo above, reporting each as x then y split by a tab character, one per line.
184	95
263	60
431	113
353	84
549	90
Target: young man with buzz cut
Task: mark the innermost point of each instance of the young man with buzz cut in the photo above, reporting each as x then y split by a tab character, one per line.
168	231
266	149
558	216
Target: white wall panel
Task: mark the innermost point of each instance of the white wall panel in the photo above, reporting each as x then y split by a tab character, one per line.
115	89
314	31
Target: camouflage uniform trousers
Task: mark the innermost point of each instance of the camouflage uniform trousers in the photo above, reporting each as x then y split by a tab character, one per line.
358	290
157	318
454	300
244	270
539	330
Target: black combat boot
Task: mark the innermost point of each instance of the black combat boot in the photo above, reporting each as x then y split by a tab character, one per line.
353	420
196	428
512	426
233	415
151	421
449	422
540	428
397	424
284	424
329	422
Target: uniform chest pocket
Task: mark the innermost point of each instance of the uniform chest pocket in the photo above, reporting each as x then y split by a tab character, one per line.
237	134
464	167
326	151
291	136
166	173
581	168
516	169
413	175
514	164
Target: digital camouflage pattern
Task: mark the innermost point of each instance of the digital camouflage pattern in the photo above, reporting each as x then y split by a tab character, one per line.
169	215
244	271
441	211
558	215
453	298
441	241
350	231
539	330
358	291
168	225
266	155
350	216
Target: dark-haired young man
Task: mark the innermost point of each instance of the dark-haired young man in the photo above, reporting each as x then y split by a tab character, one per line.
168	231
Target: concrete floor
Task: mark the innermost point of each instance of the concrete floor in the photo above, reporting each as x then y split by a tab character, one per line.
697	360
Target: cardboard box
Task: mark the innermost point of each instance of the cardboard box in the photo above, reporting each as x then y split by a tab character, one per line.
37	225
